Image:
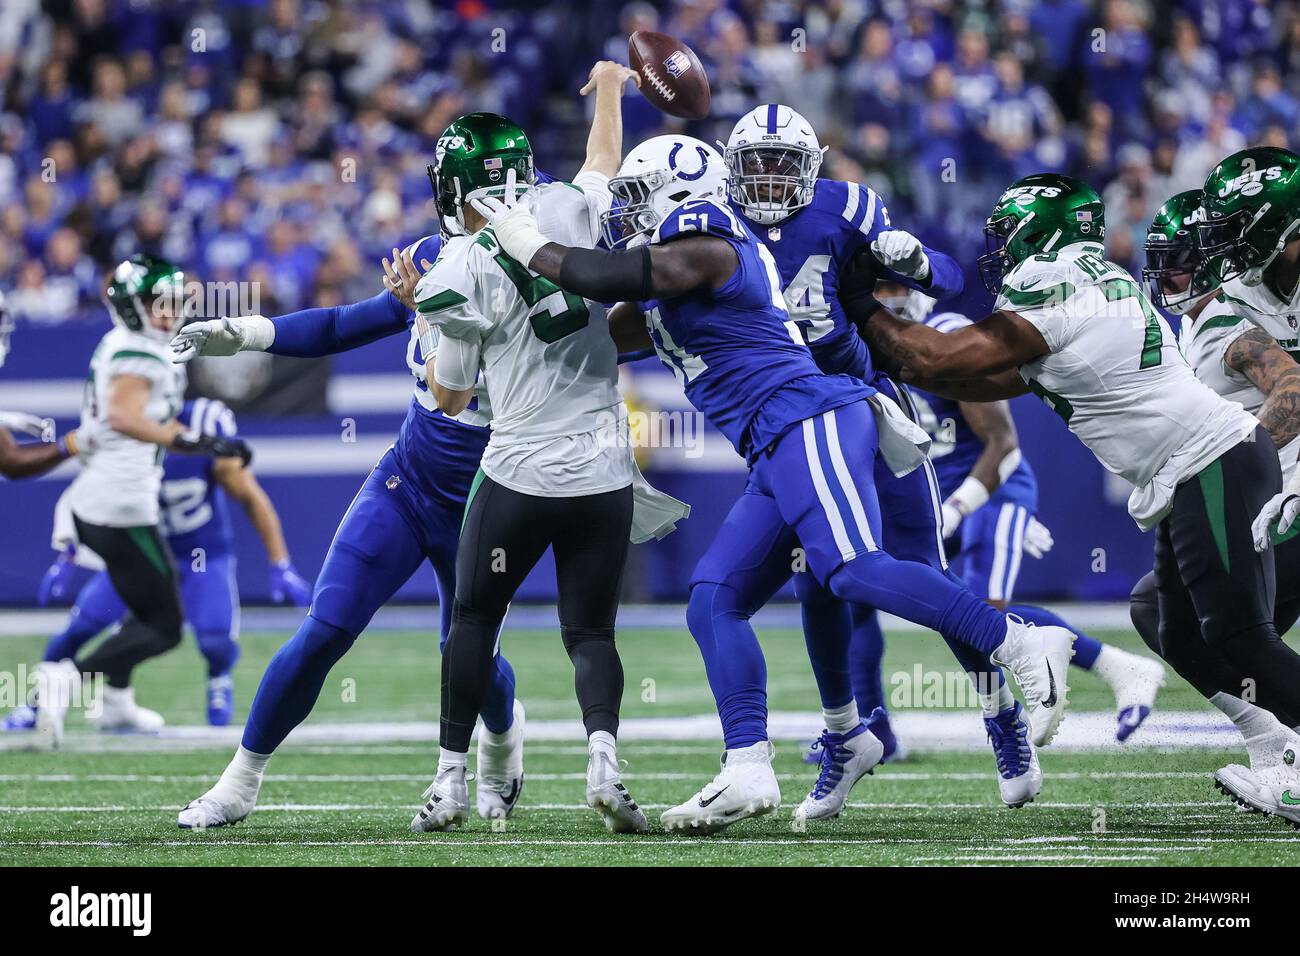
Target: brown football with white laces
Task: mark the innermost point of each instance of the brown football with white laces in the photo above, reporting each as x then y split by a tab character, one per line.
671	75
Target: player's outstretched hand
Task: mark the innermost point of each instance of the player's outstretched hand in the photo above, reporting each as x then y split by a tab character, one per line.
1282	508
607	71
401	276
288	586
1038	538
903	253
223	337
26	424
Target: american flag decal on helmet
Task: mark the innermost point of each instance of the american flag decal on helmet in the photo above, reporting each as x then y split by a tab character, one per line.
677	64
1083	215
492	162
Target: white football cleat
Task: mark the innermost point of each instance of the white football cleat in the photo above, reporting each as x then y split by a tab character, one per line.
1039	657
1274	790
499	773
119	713
746	787
845	759
56	684
1136	680
219	807
448	802
1020	778
607	795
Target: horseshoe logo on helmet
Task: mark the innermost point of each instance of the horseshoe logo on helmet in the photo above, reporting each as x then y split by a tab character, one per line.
682	174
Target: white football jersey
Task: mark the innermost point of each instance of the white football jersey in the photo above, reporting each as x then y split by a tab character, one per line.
543	355
1205	343
1116	376
1278	317
120	476
480	411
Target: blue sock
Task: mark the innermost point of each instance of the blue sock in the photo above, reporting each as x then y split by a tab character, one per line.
220	650
498	711
78	632
292	683
733	662
919	593
866	657
827	630
98	607
1086	648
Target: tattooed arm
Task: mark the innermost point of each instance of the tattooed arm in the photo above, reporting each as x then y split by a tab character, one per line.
1001	342
1257	355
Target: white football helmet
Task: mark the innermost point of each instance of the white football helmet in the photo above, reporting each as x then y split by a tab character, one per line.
773	157
656	177
6	329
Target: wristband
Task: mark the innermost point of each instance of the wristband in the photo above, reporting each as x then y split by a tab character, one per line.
969	496
68	445
257	333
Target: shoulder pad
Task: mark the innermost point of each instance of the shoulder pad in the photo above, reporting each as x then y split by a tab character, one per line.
700	217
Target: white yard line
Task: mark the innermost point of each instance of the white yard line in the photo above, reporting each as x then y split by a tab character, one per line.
922	731
883	776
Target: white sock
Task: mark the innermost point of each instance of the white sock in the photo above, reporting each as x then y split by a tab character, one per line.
1113	665
1260	728
840	720
244	772
994	702
449	759
602	742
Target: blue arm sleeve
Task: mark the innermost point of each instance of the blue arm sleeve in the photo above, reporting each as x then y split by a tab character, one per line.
316	332
945	275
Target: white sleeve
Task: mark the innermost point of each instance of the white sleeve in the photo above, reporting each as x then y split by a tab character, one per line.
457	362
1039	298
595	189
447	297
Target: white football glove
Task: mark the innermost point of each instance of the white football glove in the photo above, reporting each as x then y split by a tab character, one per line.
515	227
1038	539
22	422
1282	508
903	253
249	333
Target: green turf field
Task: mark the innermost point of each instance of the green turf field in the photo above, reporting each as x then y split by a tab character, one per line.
350	802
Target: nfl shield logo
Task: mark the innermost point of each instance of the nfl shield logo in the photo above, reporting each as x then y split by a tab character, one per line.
1293	322
677	64
774	234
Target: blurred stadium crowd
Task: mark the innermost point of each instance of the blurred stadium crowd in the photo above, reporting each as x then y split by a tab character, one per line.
285	141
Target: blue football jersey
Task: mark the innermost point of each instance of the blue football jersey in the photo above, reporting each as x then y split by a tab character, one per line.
956	448
194	510
813	245
734	348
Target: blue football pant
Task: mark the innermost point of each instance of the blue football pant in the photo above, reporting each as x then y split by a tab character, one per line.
384	537
811	498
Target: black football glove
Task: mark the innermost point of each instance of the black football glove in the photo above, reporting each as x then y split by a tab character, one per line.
213	447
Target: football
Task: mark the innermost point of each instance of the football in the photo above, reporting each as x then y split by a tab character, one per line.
671	75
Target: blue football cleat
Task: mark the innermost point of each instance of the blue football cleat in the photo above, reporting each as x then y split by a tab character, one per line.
21	718
878	724
221	700
1020	778
845	759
